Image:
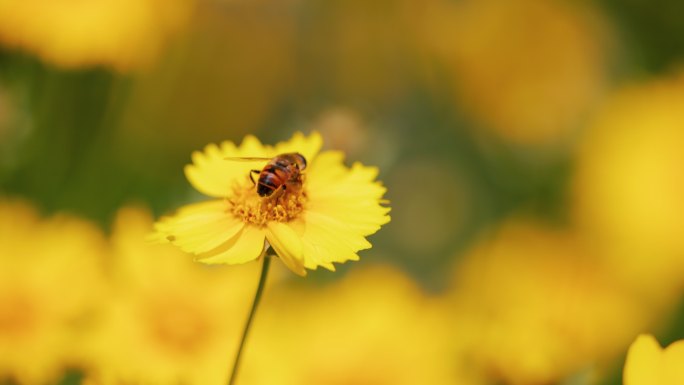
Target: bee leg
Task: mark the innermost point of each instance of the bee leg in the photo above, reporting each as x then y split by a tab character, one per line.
251	175
295	185
281	193
278	193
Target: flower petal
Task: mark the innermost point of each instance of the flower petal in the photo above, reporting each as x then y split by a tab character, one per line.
351	196
199	227
214	175
244	247
327	240
287	245
327	167
309	146
674	363
644	361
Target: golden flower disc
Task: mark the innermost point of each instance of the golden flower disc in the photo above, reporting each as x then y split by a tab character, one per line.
282	206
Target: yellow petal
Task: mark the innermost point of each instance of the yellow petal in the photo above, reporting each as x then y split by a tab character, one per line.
365	219
347	235
346	184
287	245
214	175
308	146
311	251
199	227
327	241
644	362
244	247
349	195
326	168
674	363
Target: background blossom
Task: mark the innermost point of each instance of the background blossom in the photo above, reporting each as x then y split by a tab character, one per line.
632	147
51	282
517	308
167	320
121	34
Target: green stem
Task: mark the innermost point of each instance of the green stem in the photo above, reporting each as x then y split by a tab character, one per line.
255	303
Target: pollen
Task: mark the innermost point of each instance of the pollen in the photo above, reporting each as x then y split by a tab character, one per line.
282	206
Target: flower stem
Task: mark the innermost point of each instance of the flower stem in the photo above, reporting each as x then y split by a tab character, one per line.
255	303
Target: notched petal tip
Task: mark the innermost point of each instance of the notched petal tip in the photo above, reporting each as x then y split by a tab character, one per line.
202	176
308	146
643	364
329	266
300	272
227	147
645	342
250	147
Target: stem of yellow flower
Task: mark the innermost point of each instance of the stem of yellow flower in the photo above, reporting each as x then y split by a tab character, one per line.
255	303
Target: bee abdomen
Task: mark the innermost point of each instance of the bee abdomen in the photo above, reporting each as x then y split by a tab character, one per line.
271	179
266	185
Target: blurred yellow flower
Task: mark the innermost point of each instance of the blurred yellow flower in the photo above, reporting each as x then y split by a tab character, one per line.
168	320
648	364
630	182
528	70
123	34
50	284
524	296
375	326
323	222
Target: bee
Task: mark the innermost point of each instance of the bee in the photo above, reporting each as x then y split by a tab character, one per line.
280	173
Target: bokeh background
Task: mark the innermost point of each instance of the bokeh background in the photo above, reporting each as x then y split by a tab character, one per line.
532	151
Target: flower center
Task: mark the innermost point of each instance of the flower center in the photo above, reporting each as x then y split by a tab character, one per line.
17	315
282	206
179	326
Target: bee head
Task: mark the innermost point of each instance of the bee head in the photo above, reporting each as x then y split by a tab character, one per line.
301	160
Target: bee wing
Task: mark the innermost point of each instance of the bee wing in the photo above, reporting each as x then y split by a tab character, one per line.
246	159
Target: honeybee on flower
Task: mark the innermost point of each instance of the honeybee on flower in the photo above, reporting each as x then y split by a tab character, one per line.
325	219
280	172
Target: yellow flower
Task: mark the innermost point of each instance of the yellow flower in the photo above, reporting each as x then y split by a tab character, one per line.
375	326
521	298
630	183
50	284
123	34
168	320
508	72
648	364
323	222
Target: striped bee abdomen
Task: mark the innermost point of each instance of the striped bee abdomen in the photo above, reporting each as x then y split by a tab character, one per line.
281	171
272	177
